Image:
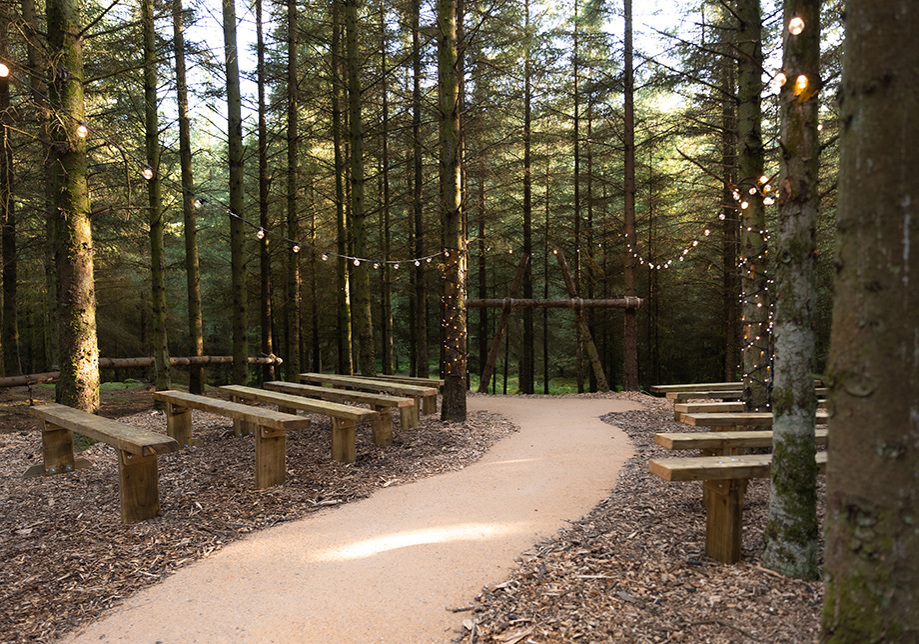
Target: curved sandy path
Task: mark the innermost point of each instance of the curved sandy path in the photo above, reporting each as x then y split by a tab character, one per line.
385	568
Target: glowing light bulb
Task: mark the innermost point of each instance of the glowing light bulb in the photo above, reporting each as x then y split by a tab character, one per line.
695	242
325	257
764	179
781	79
795	26
429	260
744	205
820	126
4	71
721	216
707	232
260	233
376	265
148	172
801	83
82	130
199	202
417	262
296	248
768	201
357	262
396	266
752	191
767	188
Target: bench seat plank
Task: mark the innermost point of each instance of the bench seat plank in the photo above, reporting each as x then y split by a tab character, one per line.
257	416
338	395
117	434
713	468
348	412
425	397
409	380
755	419
723	440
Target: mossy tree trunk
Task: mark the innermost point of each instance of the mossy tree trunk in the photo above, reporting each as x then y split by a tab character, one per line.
757	349
791	531
872	538
78	385
237	230
190	217
454	283
155	205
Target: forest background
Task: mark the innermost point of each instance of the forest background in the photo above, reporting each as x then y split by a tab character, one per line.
544	165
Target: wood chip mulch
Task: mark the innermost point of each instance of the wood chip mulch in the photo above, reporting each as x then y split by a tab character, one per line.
634	569
66	558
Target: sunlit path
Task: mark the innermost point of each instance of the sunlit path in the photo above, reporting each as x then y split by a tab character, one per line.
384	569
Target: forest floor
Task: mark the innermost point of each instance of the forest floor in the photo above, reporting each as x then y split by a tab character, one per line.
632	570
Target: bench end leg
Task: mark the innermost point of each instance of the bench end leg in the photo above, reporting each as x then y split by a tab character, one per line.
724	519
343	448
270	457
139	483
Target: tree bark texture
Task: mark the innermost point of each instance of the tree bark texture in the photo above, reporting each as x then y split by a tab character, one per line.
757	349
420	319
190	217
78	386
791	531
264	185
630	335
454	284
527	351
237	230
730	228
11	365
155	205
386	304
872	539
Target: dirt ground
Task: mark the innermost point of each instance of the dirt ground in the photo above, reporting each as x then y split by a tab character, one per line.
631	570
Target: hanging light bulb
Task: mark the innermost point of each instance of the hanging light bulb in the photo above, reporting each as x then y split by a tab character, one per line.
260	233
781	79
296	248
376	265
764	179
820	126
752	191
82	130
325	257
148	172
357	262
768	201
199	202
4	71
396	266
744	205
707	232
695	242
417	262
795	25
801	83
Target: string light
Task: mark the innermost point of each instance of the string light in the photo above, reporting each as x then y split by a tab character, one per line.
357	262
4	71
801	83
148	172
199	202
795	25
296	248
82	130
781	79
260	233
325	257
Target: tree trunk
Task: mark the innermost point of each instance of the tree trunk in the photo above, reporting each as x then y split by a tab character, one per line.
454	294
527	351
757	347
630	335
345	361
265	314
731	286
237	231
871	569
420	318
10	365
155	213
359	225
79	383
386	319
192	272
791	532
576	60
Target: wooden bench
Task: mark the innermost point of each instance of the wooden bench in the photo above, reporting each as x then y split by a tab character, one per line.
740	419
683	396
714	408
343	417
271	429
430	404
425	397
699	386
383	404
138	475
724	474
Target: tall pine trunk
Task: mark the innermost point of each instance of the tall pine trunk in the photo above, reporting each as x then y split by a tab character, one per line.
454	284
730	229
527	351
10	357
237	231
155	202
190	218
420	314
872	541
293	293
386	317
791	532
630	335
265	314
78	385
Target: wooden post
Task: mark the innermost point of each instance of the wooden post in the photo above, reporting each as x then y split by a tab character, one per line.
343	449
242	427
586	338
270	457
178	424
495	347
57	449
409	416
382	426
429	405
139	484
723	519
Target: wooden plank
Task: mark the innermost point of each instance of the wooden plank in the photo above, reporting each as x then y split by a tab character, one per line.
338	395
681	396
117	434
270	457
699	386
748	419
343	447
723	440
409	380
369	385
289	401
724	519
258	415
139	487
712	468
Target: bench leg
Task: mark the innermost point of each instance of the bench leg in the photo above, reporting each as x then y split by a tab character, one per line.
139	483
343	449
242	427
724	519
57	453
382	426
270	457
409	417
430	404
178	424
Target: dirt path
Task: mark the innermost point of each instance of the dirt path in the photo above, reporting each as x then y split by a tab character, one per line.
386	569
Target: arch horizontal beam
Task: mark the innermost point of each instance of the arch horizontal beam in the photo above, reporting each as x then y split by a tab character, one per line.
573	303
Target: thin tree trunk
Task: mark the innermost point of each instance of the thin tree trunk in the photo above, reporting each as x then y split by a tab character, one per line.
72	234
155	213
10	365
359	224
630	335
576	59
791	531
527	351
292	301
345	362
237	232
454	294
265	314
545	273
757	349
482	267
731	284
192	272
871	569
420	315
386	327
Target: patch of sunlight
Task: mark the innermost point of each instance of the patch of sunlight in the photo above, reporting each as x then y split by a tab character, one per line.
378	545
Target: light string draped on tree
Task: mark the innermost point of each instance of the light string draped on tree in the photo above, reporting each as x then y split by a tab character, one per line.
83	130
